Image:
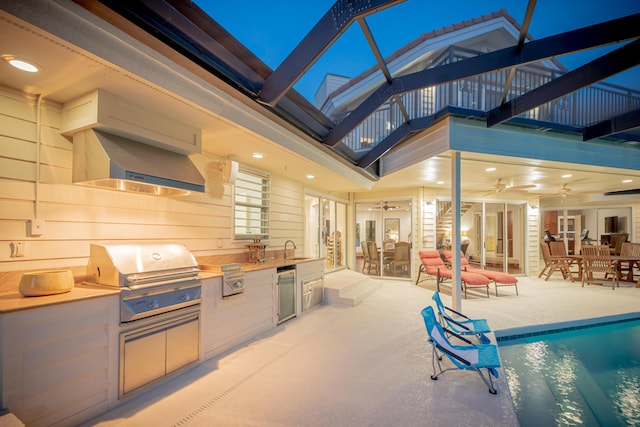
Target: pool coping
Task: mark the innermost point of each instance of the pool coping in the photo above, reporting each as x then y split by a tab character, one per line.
551	328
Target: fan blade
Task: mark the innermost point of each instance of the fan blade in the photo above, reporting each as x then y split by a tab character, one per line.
522	187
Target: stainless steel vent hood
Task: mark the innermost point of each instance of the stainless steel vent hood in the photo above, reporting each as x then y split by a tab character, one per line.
106	160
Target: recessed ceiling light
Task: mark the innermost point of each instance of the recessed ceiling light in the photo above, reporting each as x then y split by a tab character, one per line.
20	64
626	181
257	155
440	182
567	175
309	176
490	169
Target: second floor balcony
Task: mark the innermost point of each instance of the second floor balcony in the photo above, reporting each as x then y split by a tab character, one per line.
481	93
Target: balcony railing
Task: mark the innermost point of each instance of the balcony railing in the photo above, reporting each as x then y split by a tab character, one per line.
584	107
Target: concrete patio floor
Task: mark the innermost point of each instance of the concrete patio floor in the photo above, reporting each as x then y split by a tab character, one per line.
364	365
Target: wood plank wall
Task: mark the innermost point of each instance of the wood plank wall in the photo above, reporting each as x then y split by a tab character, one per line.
76	216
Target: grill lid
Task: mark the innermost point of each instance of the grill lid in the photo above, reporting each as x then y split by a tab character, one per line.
120	265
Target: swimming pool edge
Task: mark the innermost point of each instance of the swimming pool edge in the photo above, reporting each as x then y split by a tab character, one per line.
550	328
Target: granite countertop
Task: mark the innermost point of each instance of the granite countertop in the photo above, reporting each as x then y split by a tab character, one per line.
255	266
14	301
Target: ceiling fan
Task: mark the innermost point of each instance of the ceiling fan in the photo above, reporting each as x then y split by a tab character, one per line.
500	187
563	192
386	207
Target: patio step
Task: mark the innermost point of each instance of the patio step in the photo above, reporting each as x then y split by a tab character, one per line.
348	288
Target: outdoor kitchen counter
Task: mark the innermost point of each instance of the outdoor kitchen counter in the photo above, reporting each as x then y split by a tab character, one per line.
15	301
213	270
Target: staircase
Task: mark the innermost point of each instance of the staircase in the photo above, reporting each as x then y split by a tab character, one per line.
348	288
444	217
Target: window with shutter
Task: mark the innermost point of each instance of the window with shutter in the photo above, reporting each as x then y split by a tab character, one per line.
251	205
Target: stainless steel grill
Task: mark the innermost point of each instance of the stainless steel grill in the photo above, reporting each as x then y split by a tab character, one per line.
154	278
159	308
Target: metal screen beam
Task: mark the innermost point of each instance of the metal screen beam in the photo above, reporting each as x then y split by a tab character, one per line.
184	33
383	65
523	35
572	41
626	121
394	139
607	65
313	45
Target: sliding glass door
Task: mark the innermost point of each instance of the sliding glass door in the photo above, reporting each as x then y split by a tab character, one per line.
503	238
492	234
334	221
383	238
325	237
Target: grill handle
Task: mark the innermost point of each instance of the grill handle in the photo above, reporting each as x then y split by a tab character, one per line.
160	283
135	279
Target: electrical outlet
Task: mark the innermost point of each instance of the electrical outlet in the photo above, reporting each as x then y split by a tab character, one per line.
17	249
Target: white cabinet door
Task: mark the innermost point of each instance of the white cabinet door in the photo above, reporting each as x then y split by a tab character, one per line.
60	362
228	322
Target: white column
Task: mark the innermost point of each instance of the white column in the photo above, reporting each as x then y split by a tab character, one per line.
456	293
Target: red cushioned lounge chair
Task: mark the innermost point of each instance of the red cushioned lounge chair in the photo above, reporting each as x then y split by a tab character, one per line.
499	278
433	264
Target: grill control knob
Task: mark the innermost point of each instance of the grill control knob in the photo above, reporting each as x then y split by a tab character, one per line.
153	304
186	297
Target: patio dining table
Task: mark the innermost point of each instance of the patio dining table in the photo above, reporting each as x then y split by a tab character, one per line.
631	260
619	260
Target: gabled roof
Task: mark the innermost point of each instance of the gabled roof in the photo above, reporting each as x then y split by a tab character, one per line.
432	35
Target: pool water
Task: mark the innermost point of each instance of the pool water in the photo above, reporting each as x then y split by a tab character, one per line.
583	377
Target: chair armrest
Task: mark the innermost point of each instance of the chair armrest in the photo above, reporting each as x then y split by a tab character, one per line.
457	323
456	312
460	337
455	356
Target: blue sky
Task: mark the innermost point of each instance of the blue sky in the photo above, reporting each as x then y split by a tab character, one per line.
272	29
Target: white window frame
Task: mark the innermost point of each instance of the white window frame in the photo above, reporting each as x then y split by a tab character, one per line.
249	199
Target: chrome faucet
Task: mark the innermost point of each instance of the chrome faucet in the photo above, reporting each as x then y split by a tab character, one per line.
285	248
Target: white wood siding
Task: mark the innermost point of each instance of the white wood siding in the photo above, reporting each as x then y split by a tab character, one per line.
60	362
532	253
228	322
76	216
287	213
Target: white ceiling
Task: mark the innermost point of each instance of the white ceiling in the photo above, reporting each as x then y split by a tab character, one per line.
68	72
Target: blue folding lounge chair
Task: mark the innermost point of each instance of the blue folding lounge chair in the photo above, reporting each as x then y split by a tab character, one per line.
461	324
473	357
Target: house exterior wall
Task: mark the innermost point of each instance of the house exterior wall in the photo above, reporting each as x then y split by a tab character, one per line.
76	216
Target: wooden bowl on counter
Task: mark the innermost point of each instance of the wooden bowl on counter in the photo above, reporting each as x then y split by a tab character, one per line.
51	282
